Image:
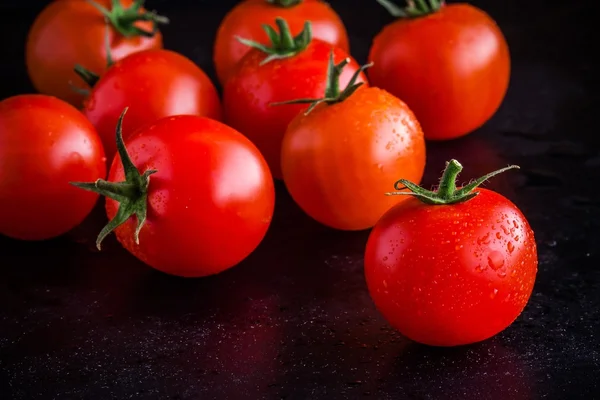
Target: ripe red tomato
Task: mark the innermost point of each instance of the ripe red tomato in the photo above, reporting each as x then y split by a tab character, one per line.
44	144
246	19
451	267
70	32
338	159
199	192
296	71
153	84
451	66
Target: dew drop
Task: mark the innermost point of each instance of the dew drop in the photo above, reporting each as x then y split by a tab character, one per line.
498	235
494	293
505	230
385	258
517	238
480	269
510	246
495	260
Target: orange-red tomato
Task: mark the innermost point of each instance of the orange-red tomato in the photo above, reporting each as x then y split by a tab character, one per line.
246	20
153	84
249	93
338	161
452	68
70	32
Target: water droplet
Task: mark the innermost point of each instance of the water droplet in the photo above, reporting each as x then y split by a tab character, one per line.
494	293
495	260
380	167
484	239
479	268
384	284
502	274
505	230
498	235
517	238
510	246
515	224
458	247
385	258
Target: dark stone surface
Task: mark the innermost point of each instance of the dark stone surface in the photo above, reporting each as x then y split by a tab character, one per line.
295	320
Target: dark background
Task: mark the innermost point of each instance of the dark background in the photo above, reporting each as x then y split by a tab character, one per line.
295	320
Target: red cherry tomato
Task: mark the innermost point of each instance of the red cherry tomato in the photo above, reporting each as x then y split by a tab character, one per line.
452	273
296	72
70	32
247	18
200	192
451	66
153	84
44	144
338	159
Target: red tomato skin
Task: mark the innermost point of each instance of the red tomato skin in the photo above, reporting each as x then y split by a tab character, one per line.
452	68
246	19
252	88
70	32
154	84
339	160
210	203
45	143
454	274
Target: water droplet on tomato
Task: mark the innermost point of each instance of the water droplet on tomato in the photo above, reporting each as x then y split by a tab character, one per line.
505	230
515	224
502	274
494	293
380	167
385	258
510	247
517	238
498	235
495	260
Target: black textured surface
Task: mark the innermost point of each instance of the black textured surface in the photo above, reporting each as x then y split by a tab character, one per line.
295	320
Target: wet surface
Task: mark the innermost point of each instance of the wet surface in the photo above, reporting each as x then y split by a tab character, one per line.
295	320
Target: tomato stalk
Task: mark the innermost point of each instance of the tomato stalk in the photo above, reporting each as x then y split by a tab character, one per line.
124	19
413	8
132	193
283	44
447	192
333	94
284	3
89	77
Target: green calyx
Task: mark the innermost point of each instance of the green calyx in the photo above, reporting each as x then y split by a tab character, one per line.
89	77
283	44
132	193
124	19
284	3
413	8
447	192
333	93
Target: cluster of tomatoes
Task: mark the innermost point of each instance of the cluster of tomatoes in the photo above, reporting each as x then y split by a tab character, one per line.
189	178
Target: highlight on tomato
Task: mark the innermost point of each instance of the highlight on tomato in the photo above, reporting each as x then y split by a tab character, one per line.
247	18
187	195
340	155
153	84
288	67
453	266
70	32
449	62
45	143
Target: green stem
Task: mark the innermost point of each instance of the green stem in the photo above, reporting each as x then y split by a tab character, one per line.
413	8
284	3
333	94
124	19
282	44
89	77
447	192
131	194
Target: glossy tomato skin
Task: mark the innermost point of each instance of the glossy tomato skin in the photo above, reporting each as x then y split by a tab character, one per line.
452	68
210	203
70	32
340	160
45	143
252	88
453	274
154	84
246	19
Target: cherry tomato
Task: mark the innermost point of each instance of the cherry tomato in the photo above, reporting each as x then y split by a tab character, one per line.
153	84
199	192
44	144
246	19
451	267
70	32
450	65
296	71
339	157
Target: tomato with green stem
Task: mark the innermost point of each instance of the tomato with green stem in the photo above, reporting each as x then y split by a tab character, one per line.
453	266
340	155
70	32
289	67
153	84
449	63
45	143
246	20
187	195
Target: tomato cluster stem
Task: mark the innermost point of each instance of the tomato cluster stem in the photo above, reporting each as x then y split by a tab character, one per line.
413	8
447	192
284	3
124	19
